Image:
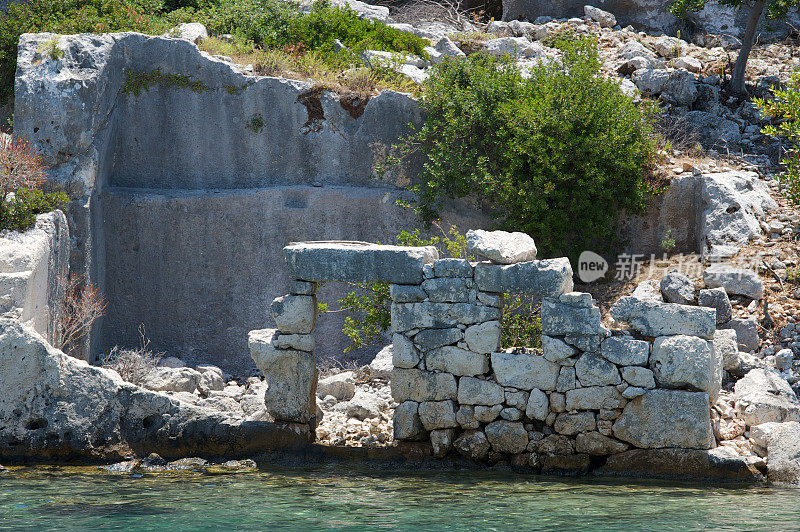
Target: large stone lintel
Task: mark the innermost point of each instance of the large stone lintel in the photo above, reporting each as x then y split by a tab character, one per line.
358	262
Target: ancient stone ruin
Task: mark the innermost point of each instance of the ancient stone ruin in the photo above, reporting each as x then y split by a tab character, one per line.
602	391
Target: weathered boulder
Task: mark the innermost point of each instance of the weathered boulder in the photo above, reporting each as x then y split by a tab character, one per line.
407	425
193	32
782	441
502	247
717	298
677	288
438	414
404	353
442	441
446	289
662	319
473	444
725	346
735	202
570	424
381	366
163	379
365	405
341	386
432	338
746	333
687	362
666	418
357	262
472	391
539	278
450	267
694	464
668	47
638	376
597	444
604	18
594	370
301	342
538	405
734	280
57	407
593	398
571	314
407	316
507	436
763	396
712	131
556	350
291	378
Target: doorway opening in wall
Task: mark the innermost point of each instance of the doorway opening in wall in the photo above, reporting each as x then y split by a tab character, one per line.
354	396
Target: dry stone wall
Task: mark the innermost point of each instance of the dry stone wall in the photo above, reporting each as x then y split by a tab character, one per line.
589	391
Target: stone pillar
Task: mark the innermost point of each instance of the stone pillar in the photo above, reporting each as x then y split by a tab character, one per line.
285	356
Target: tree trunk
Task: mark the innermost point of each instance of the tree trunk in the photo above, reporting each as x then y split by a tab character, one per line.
737	80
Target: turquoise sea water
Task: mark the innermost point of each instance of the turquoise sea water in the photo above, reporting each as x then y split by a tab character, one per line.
339	498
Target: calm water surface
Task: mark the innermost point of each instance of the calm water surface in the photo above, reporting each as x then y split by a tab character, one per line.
340	498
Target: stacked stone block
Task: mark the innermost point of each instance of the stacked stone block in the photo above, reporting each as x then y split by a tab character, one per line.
588	391
285	355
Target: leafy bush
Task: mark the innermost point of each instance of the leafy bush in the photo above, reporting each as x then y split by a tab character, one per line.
18	213
556	156
785	105
21	173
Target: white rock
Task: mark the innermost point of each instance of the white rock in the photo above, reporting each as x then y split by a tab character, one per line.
763	396
524	371
191	31
688	63
734	280
295	314
438	414
556	350
457	361
365	405
341	386
501	247
381	366
604	18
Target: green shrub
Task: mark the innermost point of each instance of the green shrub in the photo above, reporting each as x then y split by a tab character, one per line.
19	213
69	17
556	156
785	106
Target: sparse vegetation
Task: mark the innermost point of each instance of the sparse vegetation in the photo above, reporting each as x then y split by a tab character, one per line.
256	123
133	365
83	304
793	275
668	243
52	50
138	82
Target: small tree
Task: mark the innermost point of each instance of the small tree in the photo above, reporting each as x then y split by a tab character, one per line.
775	9
784	106
83	304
